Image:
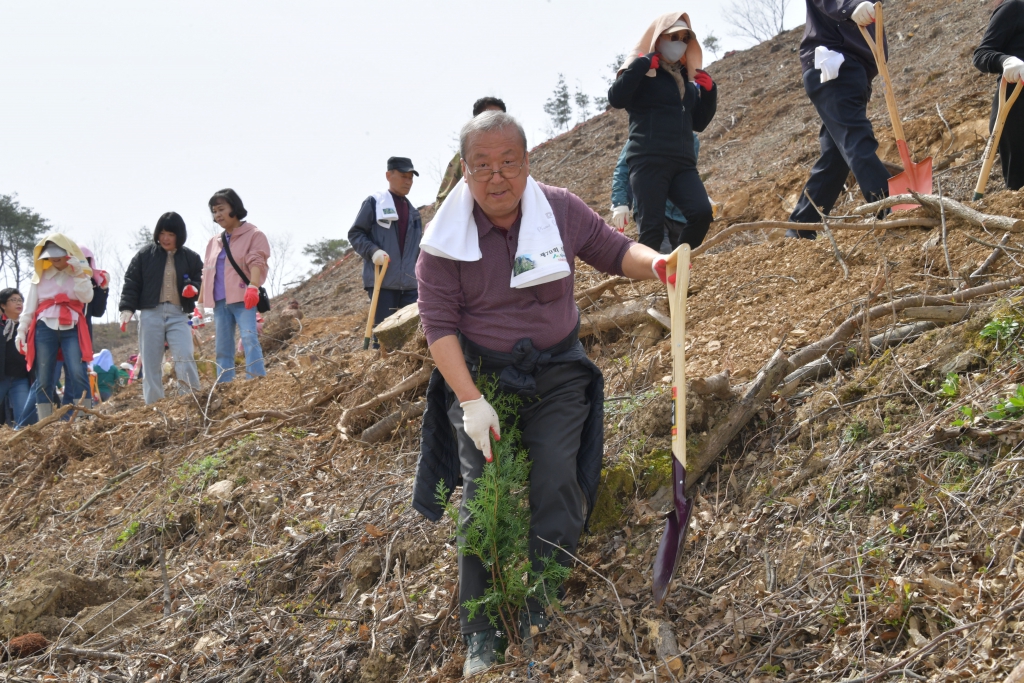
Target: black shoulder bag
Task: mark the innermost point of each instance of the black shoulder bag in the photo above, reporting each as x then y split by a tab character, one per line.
263	305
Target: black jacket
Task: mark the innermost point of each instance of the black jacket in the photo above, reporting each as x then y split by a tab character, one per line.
9	354
830	25
145	277
98	306
1003	38
661	121
439	447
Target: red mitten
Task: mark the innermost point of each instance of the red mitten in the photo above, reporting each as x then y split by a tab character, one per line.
102	278
703	79
190	291
655	60
252	296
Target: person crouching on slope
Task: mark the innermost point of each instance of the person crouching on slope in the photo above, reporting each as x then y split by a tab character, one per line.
668	97
54	318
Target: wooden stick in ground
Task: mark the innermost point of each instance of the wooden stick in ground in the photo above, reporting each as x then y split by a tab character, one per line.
931	202
945	245
163	573
828	233
990	261
719	237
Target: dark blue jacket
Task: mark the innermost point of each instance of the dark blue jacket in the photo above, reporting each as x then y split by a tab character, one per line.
830	25
367	236
661	120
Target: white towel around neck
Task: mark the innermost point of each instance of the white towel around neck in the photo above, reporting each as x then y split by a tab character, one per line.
386	211
540	256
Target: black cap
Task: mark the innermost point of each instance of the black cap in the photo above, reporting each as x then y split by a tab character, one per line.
401	164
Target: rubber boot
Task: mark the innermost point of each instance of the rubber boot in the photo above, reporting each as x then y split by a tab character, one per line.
44	410
481	652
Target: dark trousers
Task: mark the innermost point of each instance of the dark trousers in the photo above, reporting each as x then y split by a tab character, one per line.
847	143
673	234
389	301
1011	143
654	180
551	429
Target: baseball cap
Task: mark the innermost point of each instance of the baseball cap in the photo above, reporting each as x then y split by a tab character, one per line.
401	164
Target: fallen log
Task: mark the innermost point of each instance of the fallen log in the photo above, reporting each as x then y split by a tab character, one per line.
398	328
941	314
591	295
934	205
722	236
625	316
386	427
413	381
715	385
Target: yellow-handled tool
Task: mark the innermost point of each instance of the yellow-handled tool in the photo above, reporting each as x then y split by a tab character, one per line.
378	278
997	132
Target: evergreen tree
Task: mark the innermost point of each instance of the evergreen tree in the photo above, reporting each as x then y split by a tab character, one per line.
325	251
582	103
711	43
20	229
559	106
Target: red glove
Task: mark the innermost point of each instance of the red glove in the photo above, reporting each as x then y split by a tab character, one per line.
703	79
197	319
655	59
101	278
252	296
190	291
659	267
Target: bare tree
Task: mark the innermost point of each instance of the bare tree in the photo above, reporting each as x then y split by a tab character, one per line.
281	265
760	20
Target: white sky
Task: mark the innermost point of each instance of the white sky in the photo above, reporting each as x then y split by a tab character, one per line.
115	112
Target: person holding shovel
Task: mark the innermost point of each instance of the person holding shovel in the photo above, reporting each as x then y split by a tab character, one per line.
388	228
668	97
496	298
1002	52
838	68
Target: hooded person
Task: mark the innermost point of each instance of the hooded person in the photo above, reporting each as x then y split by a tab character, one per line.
53	319
669	97
106	374
162	283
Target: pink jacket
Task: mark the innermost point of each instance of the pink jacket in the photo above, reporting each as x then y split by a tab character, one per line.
249	247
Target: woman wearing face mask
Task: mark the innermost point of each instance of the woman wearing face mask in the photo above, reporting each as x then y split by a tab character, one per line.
668	98
15	377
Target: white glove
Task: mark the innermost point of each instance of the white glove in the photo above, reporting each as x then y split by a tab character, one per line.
75	266
21	340
864	15
380	257
125	317
199	311
477	418
620	216
1013	70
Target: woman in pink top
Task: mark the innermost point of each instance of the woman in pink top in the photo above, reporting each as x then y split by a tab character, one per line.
233	298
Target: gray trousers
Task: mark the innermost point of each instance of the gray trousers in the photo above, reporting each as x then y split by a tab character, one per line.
551	427
166	323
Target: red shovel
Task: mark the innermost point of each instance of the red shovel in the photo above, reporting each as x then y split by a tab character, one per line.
915	177
670	550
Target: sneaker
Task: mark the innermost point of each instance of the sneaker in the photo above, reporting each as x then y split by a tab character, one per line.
480	652
527	621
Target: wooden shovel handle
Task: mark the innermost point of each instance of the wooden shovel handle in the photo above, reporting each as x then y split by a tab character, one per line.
678	264
997	132
378	278
878	50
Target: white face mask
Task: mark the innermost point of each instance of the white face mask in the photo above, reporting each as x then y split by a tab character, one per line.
671	50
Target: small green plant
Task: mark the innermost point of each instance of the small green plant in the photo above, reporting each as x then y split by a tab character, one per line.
1009	409
968	418
899	532
126	535
951	386
1001	330
855	431
497	530
199	472
772	670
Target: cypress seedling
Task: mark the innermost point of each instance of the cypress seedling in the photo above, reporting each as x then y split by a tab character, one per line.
497	530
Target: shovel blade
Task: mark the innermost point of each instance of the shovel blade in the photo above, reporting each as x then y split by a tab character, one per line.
915	177
670	550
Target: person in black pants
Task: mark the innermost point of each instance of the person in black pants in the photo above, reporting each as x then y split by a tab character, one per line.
668	98
1002	52
847	139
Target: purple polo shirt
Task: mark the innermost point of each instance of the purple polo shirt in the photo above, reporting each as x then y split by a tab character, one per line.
475	297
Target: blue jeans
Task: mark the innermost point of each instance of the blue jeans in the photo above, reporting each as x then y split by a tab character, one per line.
48	342
225	317
847	143
16	393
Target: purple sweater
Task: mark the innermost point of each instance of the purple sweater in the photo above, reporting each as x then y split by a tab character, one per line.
474	297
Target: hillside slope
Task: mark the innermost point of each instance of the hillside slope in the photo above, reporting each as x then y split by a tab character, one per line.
864	523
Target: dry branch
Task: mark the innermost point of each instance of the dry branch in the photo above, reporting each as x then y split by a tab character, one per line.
932	203
413	381
591	295
715	385
38	426
383	429
720	237
624	316
942	314
991	260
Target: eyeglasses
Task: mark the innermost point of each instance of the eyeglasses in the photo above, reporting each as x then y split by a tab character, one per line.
508	170
15	300
679	35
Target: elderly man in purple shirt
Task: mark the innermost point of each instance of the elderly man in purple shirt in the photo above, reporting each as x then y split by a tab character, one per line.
477	323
